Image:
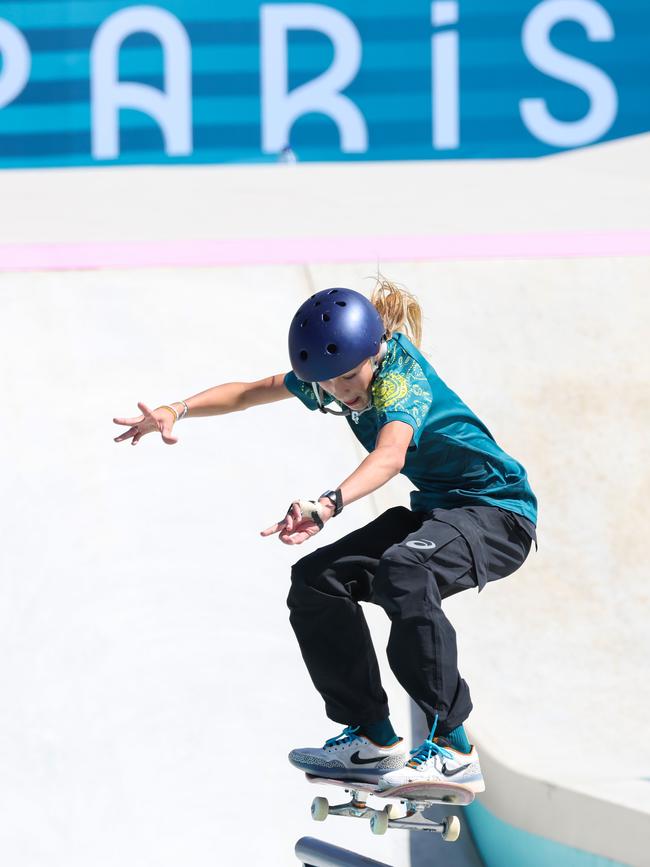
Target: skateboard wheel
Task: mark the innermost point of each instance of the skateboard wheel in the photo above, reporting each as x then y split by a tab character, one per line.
452	829
320	809
379	822
393	811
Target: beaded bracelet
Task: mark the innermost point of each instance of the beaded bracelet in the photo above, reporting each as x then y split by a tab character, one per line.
171	409
177	417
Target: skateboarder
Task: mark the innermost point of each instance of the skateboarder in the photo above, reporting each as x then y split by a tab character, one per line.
471	520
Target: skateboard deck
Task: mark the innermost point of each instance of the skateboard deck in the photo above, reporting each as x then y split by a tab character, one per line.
413	797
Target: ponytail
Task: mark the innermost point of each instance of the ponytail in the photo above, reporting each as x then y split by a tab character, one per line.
399	310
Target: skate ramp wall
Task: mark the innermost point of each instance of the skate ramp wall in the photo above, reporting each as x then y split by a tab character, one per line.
149	665
152	684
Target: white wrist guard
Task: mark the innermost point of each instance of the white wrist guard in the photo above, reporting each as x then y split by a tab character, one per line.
313	510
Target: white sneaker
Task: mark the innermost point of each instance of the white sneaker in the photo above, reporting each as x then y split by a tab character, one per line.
350	756
437	761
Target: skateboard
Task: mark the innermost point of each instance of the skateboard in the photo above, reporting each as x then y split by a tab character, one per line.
413	797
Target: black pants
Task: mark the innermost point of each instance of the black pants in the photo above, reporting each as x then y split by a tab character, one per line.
406	562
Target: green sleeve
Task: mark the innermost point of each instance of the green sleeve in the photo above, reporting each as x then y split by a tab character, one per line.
402	393
304	391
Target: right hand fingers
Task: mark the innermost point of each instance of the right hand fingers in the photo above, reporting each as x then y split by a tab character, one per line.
136	420
161	419
166	434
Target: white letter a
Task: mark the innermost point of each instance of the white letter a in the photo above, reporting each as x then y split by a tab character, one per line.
172	108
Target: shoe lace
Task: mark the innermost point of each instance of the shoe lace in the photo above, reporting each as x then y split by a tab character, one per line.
427	749
348	734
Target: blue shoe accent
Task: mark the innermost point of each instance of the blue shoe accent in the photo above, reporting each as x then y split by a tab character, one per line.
348	734
424	752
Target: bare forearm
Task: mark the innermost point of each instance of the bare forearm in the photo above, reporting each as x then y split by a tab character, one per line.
379	467
235	396
218	400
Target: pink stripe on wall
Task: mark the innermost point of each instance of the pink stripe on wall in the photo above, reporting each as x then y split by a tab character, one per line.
293	251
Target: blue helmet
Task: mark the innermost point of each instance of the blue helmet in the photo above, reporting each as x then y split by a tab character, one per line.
333	332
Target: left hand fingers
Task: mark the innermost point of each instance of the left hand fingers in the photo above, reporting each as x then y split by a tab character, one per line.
304	531
293	516
301	528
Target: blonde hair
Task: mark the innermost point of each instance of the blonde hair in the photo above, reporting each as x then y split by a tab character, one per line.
399	310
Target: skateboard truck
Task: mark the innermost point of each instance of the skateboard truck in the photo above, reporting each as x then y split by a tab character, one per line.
391	816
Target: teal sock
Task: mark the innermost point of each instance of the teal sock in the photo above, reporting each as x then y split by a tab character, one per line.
381	732
458	739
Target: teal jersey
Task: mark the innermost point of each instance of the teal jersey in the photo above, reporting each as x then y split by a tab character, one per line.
453	459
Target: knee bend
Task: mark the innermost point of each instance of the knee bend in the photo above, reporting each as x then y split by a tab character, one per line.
298	583
316	582
306	577
401	586
390	564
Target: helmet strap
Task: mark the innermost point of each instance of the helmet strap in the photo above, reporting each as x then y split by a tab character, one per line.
374	363
326	409
319	398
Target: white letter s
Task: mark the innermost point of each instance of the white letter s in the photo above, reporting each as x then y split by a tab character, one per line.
546	58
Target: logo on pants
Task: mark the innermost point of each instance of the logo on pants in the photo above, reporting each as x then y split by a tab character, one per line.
420	543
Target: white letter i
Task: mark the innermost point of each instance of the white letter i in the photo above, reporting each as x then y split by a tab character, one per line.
444	77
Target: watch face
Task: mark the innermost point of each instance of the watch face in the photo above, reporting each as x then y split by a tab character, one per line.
331	496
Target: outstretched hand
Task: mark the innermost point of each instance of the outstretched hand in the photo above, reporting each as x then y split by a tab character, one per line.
295	528
160	419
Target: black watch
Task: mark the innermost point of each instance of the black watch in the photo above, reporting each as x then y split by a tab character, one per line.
337	500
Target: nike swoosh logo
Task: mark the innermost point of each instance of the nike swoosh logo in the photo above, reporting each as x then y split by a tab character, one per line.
354	758
448	773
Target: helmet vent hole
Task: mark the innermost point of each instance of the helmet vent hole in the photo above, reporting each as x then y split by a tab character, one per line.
312	297
304	322
332	291
341	303
332	348
326	317
317	304
304	355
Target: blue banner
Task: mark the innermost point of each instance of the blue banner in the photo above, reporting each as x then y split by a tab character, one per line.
103	82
